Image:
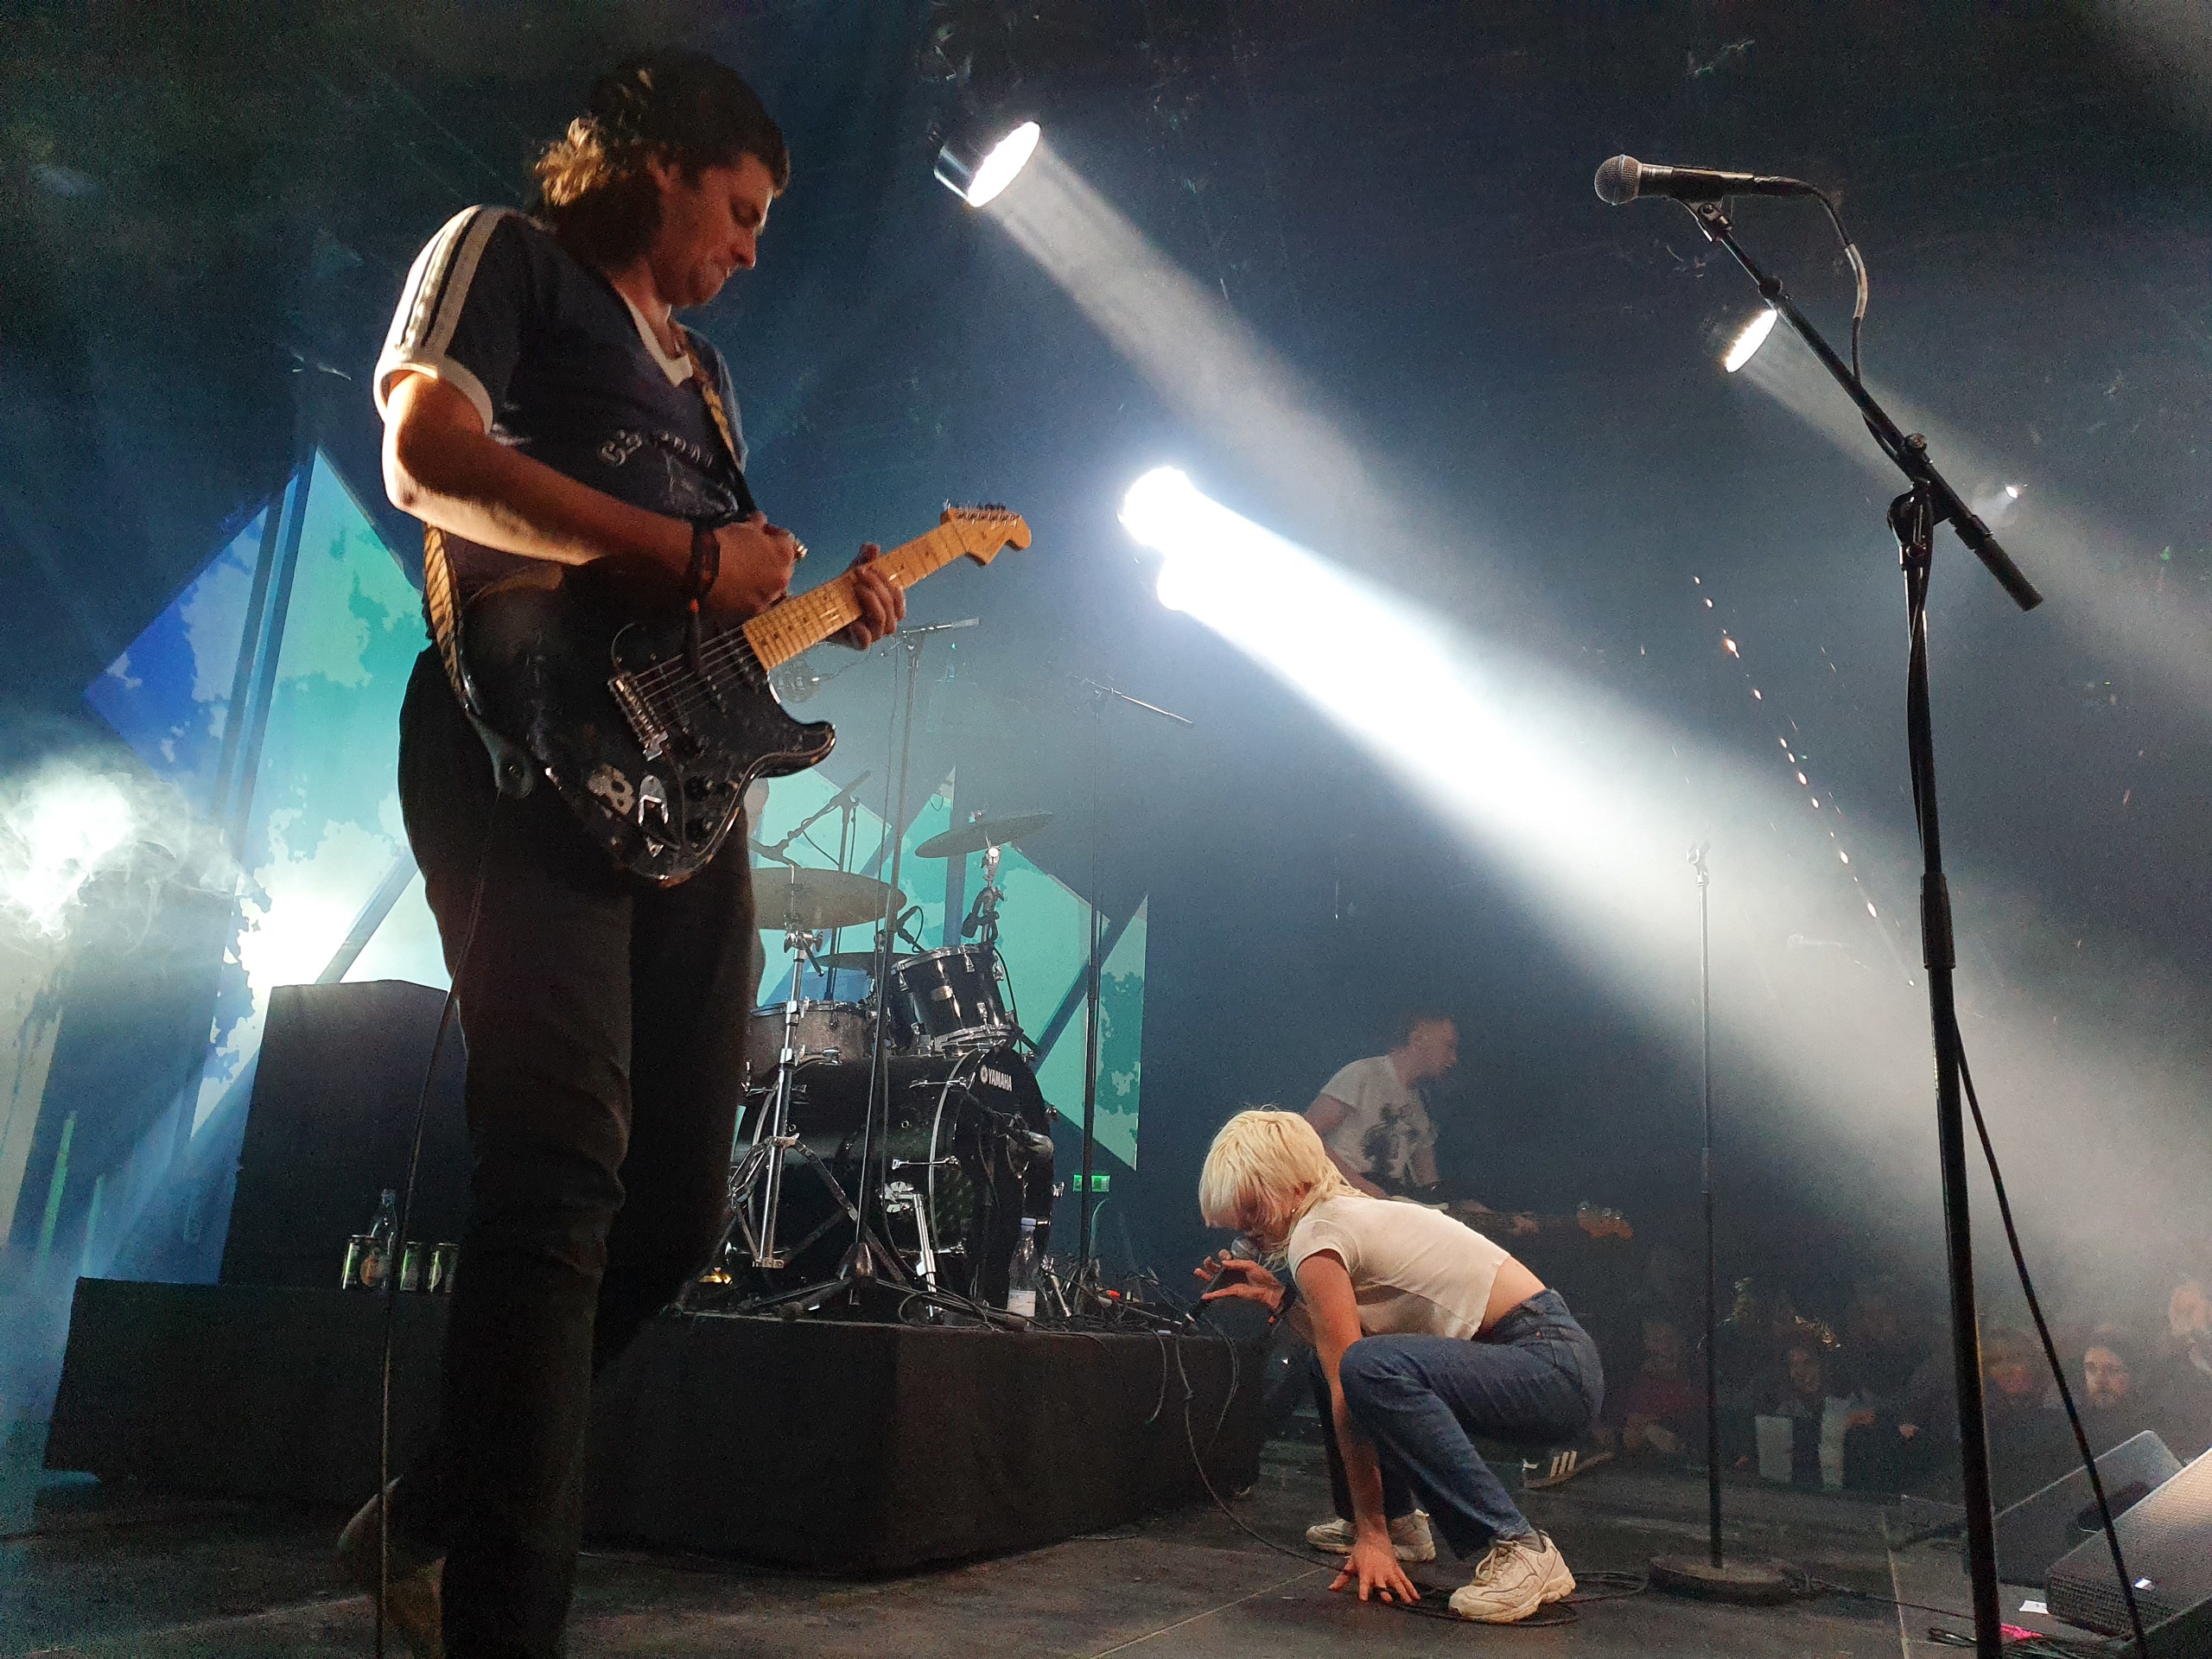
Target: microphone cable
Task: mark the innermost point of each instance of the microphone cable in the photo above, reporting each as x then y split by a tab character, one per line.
1916	618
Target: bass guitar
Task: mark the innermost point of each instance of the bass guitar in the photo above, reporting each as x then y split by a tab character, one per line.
651	737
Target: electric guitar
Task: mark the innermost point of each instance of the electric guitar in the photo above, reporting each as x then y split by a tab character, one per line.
592	674
1587	1219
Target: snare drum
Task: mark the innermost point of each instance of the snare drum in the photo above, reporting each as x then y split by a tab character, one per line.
826	1030
953	999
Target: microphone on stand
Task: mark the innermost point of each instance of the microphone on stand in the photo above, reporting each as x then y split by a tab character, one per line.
1624	177
849	792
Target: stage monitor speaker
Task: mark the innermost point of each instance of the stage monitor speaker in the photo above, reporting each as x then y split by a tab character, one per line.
2167	1539
2035	1532
332	1116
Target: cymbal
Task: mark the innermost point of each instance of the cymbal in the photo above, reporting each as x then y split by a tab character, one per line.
816	899
963	838
854	962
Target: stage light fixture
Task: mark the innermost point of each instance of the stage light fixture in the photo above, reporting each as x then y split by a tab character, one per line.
977	163
1748	339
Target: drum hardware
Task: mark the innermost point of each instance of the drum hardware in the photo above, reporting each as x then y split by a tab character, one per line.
845	802
901	1198
960	1167
868	1261
756	1180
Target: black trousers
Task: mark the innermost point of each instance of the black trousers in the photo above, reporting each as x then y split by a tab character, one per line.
606	1021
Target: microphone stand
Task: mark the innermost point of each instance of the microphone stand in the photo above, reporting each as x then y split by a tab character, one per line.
870	1265
1748	1581
1085	1276
1913	517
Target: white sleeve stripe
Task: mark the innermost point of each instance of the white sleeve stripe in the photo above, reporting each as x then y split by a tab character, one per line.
459	376
438	289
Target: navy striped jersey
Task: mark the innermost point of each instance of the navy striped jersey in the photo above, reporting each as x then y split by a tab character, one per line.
564	368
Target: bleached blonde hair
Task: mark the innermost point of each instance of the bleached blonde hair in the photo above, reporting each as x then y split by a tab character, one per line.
1264	1171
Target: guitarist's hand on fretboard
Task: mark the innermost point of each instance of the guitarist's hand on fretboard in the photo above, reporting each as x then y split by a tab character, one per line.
882	601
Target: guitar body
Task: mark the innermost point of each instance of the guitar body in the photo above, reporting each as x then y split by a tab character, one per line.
651	740
589	675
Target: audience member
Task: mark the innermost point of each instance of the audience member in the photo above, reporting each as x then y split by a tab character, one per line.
2188	1368
1659	1412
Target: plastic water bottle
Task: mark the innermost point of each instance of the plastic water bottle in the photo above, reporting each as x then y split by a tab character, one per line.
381	1257
1022	1278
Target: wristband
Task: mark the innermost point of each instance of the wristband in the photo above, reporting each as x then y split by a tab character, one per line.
706	566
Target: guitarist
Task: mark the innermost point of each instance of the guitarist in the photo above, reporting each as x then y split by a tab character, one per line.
1373	1123
543	408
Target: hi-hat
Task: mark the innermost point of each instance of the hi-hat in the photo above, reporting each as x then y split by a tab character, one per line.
965	838
817	898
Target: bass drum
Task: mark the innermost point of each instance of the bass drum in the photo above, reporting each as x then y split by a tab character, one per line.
969	1154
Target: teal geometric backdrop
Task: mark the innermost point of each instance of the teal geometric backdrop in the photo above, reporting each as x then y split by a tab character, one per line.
313	818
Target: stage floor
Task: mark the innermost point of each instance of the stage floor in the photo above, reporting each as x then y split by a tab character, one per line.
87	1572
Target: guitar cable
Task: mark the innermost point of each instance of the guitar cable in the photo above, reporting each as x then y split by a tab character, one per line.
406	1209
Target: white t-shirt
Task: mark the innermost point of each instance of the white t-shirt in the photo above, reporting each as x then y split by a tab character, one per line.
1415	1271
1387	1125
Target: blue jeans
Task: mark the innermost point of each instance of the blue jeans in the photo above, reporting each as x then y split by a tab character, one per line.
1532	1378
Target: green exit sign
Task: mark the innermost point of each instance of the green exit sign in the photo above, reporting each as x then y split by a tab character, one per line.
1098	1180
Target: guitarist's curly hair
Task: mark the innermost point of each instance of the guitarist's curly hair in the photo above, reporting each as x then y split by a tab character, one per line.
593	188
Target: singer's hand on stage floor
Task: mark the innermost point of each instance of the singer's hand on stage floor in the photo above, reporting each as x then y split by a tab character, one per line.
1373	1564
1243	1279
883	601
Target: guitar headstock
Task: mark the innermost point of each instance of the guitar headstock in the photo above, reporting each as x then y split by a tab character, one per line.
984	531
1603	1224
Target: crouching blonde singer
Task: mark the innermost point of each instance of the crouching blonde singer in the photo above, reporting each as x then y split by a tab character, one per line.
1427	1335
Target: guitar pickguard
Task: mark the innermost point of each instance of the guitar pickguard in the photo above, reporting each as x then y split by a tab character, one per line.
592	678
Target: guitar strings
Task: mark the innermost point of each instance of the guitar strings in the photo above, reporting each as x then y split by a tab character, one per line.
923	549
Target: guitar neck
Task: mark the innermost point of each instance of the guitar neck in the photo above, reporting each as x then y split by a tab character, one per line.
804	621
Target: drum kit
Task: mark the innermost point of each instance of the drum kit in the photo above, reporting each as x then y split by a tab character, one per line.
921	1088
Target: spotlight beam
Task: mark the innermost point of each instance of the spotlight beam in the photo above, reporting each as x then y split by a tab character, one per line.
1589	804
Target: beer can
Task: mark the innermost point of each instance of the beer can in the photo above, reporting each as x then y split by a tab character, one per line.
357	1260
411	1262
445	1261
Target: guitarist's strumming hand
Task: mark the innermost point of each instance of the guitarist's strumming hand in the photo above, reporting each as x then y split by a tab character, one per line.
882	601
756	566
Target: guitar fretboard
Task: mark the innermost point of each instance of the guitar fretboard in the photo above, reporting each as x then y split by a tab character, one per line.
804	621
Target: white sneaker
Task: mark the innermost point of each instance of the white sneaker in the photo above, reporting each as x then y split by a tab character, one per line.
1409	1538
1516	1578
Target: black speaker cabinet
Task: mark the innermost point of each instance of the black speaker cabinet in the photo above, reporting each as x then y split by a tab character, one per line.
333	1116
2167	1539
2041	1528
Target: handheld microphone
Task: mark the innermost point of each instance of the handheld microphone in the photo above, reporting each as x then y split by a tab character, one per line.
1624	177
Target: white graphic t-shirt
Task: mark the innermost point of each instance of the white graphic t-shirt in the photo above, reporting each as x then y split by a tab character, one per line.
1387	1125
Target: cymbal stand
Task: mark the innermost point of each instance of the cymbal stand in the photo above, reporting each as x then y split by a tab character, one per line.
846	803
756	1180
870	1261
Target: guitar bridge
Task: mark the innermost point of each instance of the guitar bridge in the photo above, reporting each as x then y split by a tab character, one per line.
652	736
